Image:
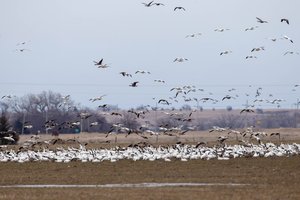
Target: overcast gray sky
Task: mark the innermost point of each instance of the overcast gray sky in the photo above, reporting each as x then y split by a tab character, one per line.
63	38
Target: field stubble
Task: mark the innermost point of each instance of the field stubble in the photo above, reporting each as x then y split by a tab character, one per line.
268	178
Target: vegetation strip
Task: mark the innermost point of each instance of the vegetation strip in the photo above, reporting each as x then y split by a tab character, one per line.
129	185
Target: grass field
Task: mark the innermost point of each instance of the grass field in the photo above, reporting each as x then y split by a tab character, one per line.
266	178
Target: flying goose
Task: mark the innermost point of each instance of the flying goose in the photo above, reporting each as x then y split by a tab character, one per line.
179	8
103	106
291	52
7	96
287	38
21	43
94	124
285	20
247	110
228	97
125	74
247	57
180	59
142	72
97	98
134	84
258	49
116	114
225	52
148	4
163	101
272	39
159	81
221	29
260	20
100	64
158	4
251	28
221	139
193	35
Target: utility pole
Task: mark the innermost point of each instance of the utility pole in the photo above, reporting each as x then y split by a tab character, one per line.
23	123
81	125
46	118
296	114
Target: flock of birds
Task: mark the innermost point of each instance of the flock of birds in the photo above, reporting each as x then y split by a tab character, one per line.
150	153
185	90
184	152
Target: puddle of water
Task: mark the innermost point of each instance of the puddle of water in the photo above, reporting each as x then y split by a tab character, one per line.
135	185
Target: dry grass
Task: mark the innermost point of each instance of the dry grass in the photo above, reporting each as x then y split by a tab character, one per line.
270	178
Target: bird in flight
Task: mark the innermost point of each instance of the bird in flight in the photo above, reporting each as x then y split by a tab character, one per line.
6	96
99	62
222	29
285	20
159	81
142	72
97	98
125	74
148	4
228	97
225	52
193	35
179	8
158	4
287	38
21	43
260	20
180	59
251	28
163	101
248	57
247	110
134	84
258	49
291	52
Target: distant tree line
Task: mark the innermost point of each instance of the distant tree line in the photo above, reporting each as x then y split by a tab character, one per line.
34	113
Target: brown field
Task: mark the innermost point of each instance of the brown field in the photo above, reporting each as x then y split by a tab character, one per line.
268	178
